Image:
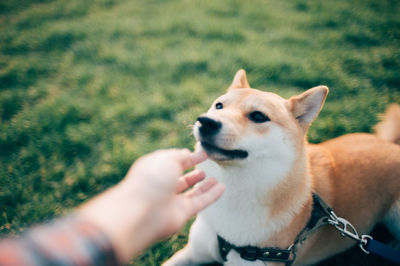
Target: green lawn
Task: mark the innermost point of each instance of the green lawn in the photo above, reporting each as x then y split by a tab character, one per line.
86	87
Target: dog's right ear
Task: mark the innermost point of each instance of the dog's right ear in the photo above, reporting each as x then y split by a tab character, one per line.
306	106
240	80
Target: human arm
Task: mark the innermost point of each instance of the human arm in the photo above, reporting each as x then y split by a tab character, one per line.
146	206
158	207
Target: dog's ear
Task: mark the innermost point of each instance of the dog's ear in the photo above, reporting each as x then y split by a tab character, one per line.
240	80
306	106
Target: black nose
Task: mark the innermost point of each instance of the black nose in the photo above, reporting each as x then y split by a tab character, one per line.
209	126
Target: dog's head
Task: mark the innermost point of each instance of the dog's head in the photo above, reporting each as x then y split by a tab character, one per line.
245	124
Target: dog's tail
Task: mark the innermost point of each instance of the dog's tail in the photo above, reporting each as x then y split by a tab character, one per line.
389	127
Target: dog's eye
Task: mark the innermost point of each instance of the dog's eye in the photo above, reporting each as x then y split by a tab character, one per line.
219	106
258	117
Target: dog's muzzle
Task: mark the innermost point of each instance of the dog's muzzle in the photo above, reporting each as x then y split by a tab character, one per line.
208	130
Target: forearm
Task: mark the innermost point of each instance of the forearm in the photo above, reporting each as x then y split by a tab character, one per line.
124	216
110	229
65	241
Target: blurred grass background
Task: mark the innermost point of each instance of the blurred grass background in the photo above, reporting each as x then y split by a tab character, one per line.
86	87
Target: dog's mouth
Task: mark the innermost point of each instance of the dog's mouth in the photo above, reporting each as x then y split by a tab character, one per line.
226	154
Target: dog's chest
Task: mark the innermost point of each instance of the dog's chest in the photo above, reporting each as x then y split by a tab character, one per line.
239	221
240	216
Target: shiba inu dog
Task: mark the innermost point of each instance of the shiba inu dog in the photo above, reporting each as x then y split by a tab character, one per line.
257	147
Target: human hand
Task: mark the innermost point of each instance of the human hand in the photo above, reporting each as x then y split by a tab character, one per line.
155	178
151	203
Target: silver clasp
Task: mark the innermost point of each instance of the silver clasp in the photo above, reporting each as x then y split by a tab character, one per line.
347	229
344	227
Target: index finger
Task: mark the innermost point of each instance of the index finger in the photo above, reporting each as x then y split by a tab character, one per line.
193	159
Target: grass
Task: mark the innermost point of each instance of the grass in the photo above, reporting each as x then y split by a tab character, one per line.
86	87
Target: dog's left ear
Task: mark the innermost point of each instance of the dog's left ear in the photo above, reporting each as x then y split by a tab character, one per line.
240	80
306	106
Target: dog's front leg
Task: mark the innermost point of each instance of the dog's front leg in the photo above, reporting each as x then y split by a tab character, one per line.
202	247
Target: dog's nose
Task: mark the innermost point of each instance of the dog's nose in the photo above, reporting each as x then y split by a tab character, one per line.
208	126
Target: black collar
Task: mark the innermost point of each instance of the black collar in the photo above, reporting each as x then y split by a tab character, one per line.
319	217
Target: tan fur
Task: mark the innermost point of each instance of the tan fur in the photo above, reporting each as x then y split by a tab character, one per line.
389	128
240	80
358	175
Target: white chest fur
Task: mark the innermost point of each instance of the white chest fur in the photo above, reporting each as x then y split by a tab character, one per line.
242	215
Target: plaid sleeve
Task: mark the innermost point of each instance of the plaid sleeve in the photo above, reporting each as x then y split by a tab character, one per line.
66	241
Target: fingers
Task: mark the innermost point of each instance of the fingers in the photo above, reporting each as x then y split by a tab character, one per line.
202	188
188	159
183	157
204	195
189	180
169	160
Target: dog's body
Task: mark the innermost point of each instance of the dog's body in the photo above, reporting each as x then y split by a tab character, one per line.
256	143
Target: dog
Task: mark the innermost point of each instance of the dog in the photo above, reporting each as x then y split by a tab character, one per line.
257	146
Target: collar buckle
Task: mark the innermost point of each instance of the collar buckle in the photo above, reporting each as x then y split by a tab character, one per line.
249	253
